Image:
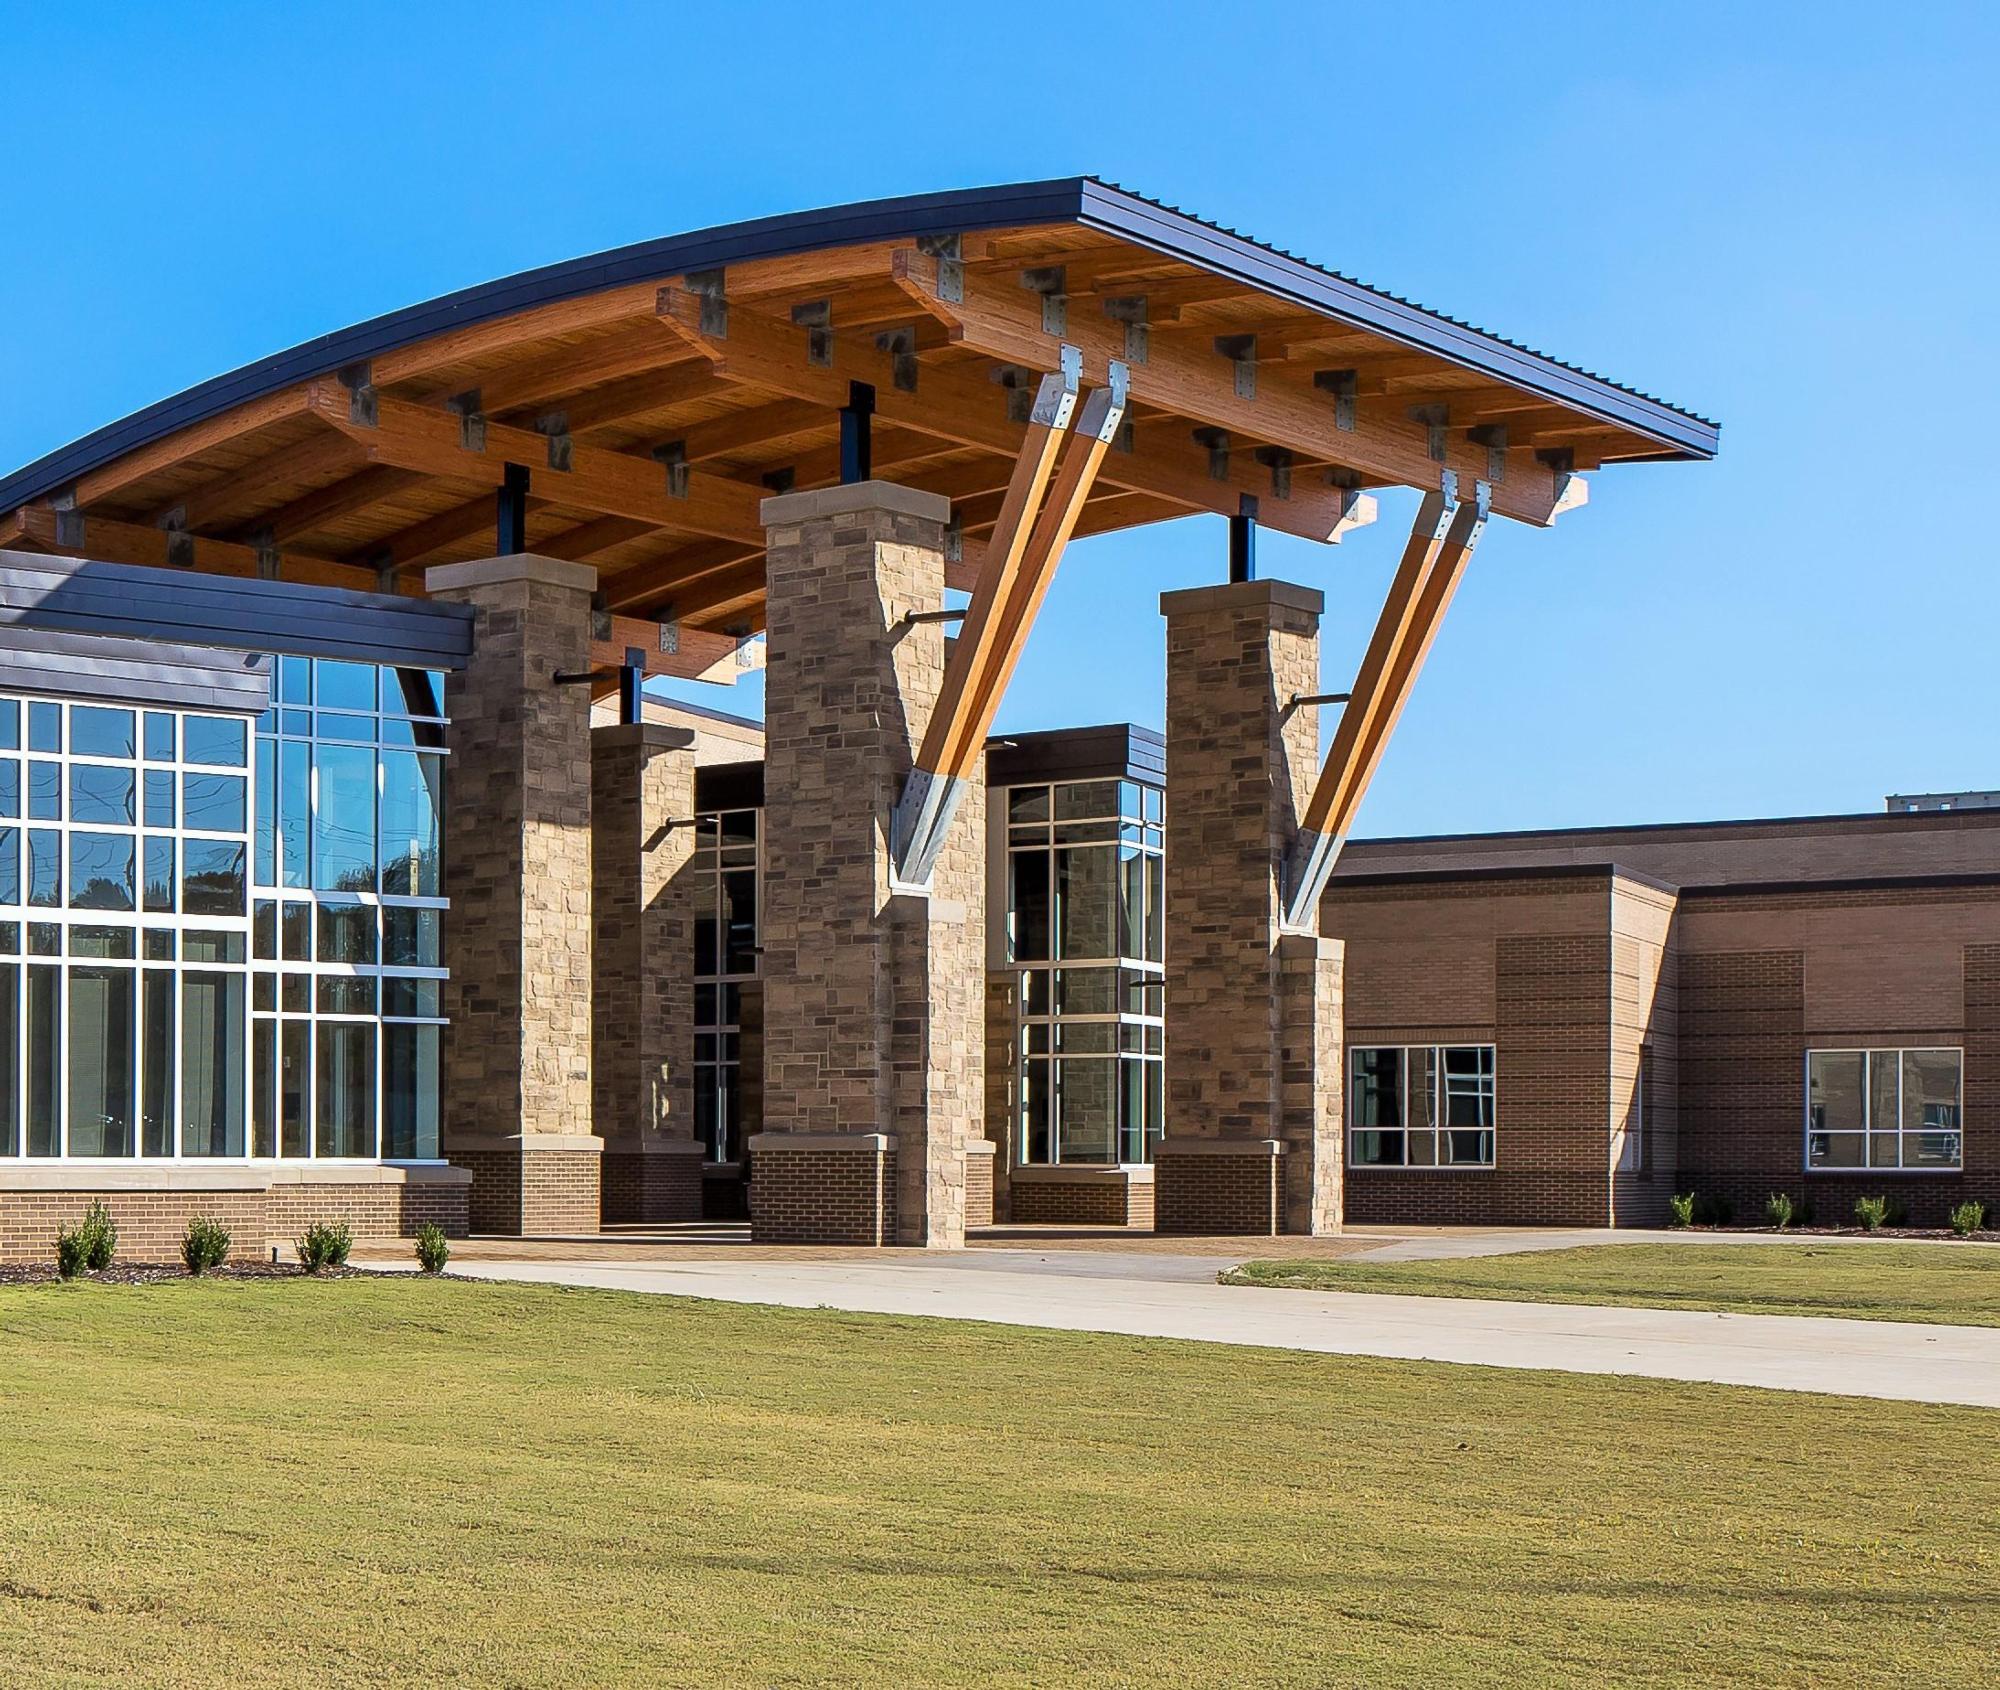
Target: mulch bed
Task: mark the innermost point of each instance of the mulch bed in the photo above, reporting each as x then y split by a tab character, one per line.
1811	1232
154	1273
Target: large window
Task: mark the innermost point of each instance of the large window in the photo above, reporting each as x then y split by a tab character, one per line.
124	924
1889	1108
1420	1106
724	870
1086	943
347	962
220	942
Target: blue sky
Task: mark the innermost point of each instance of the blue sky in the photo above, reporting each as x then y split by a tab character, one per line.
1788	221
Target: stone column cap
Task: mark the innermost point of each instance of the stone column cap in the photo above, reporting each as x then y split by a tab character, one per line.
1188	1146
1243	595
656	736
464	1144
820	1141
516	566
784	510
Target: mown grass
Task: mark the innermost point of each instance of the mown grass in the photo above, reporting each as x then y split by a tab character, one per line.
377	1481
1952	1284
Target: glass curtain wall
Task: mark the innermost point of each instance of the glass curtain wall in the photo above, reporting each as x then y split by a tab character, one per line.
216	942
724	868
1085	941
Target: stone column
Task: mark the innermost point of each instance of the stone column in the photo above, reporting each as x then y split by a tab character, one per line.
874	1050
642	967
517	871
1252	1139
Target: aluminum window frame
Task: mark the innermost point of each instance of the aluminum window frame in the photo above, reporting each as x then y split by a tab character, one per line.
1440	1130
1867	1129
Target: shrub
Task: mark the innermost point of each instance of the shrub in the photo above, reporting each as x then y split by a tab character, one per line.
1778	1209
72	1251
100	1237
433	1249
1680	1209
1871	1212
325	1245
205	1245
1968	1218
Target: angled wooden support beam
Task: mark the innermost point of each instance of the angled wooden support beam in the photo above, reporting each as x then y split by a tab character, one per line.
1014	579
1441	543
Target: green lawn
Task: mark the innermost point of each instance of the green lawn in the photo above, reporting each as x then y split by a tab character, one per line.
1958	1284
377	1481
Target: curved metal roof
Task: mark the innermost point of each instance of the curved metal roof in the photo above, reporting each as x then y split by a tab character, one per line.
1085	201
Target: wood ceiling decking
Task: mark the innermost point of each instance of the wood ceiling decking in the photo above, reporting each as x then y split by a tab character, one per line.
654	415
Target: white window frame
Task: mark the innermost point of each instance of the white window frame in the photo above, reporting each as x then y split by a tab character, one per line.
1404	1052
1868	1130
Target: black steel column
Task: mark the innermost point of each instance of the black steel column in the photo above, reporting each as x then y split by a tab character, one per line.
857	451
511	523
1243	541
632	687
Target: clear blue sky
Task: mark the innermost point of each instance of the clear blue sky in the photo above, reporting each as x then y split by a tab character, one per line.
1789	222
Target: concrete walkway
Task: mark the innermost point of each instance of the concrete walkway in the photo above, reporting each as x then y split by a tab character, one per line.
1164	1296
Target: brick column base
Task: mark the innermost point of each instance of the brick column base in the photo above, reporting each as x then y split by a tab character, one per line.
1220	1187
526	1189
980	1156
823	1188
651	1184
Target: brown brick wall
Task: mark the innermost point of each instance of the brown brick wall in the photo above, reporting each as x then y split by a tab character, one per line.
979	1189
649	1189
1085	1202
534	1192
822	1193
1217	1195
151	1224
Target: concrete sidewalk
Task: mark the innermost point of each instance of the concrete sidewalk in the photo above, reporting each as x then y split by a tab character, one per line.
1169	1297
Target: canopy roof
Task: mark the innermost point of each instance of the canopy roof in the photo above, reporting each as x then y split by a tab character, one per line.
655	394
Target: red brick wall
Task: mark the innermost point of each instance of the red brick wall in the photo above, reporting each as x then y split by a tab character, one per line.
821	1194
1085	1202
650	1190
1217	1195
151	1224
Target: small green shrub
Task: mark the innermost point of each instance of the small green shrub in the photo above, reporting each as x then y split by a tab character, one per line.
325	1245
1778	1209
1680	1209
204	1245
1968	1218
72	1251
433	1248
1871	1212
100	1237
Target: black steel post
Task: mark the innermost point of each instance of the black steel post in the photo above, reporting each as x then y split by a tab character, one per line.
1243	541
632	687
511	521
857	451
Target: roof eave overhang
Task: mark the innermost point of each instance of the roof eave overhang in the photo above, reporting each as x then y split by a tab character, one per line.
1081	200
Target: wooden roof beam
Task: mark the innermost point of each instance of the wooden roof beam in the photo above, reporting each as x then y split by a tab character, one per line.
1277	405
74	533
209	504
329	504
658	493
971	409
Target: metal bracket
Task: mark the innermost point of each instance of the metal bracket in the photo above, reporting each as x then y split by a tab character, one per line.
385	572
556	426
1126	439
1299	700
901	346
1342	384
1435	419
675	456
816	318
1278	460
781	480
954	539
471	419
949	251
180	548
1493	436
1055	396
358	379
711	286
1132	311
915	617
266	544
1241	351
1216	440
1052	283
69	520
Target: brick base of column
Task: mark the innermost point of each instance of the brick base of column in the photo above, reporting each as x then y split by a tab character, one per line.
1217	1187
521	1189
659	1185
822	1188
1082	1196
980	1155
